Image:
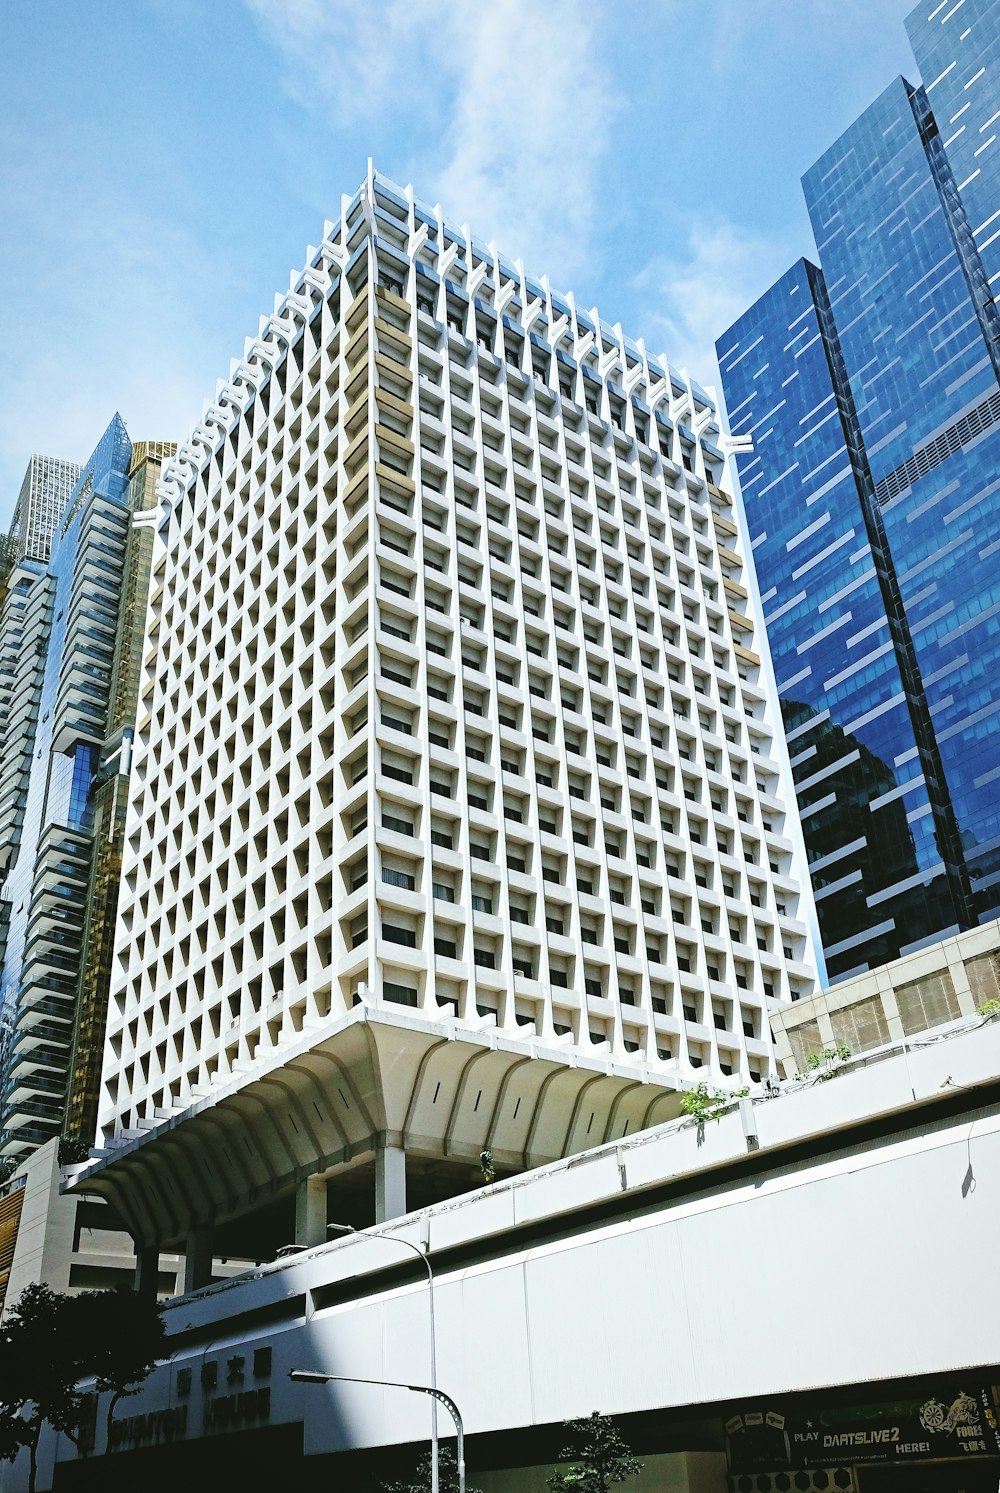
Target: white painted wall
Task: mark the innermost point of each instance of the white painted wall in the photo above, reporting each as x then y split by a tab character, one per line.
867	1263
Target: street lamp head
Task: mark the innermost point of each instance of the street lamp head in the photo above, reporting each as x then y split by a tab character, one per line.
341	1228
313	1376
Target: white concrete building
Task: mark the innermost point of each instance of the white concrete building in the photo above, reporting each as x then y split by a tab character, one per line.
67	1240
456	818
817	1261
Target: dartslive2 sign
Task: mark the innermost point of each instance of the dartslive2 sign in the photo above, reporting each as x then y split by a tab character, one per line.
953	1424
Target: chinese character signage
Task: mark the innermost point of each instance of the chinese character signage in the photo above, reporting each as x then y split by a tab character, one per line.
227	1404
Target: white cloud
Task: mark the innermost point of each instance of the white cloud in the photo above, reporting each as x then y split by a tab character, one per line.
692	296
499	112
531	120
354	56
517	93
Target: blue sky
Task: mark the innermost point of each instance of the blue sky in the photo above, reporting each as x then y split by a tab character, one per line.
167	161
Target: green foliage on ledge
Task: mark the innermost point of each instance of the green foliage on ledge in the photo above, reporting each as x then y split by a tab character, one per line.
703	1103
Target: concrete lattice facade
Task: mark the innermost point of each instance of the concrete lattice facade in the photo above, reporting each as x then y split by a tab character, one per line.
453	701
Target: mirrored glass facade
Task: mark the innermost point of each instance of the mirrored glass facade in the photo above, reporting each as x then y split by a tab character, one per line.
862	790
957	48
871	391
58	628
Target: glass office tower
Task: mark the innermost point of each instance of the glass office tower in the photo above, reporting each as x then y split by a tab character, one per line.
957	48
872	395
109	791
59	627
45	491
863	793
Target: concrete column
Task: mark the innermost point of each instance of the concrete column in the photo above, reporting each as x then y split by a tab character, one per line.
390	1182
198	1258
310	1211
147	1271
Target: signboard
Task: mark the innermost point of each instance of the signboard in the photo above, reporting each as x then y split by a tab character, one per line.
952	1423
228	1403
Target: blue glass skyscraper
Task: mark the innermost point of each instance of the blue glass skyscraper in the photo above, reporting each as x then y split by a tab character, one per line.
957	48
872	392
59	623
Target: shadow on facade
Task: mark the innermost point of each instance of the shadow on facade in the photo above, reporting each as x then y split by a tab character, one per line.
251	1461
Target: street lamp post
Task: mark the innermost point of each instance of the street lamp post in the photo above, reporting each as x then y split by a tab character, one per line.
346	1228
313	1376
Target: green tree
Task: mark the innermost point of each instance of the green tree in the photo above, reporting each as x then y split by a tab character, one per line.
50	1341
601	1456
72	1152
420	1479
123	1337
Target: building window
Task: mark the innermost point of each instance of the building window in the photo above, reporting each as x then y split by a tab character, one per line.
402	995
